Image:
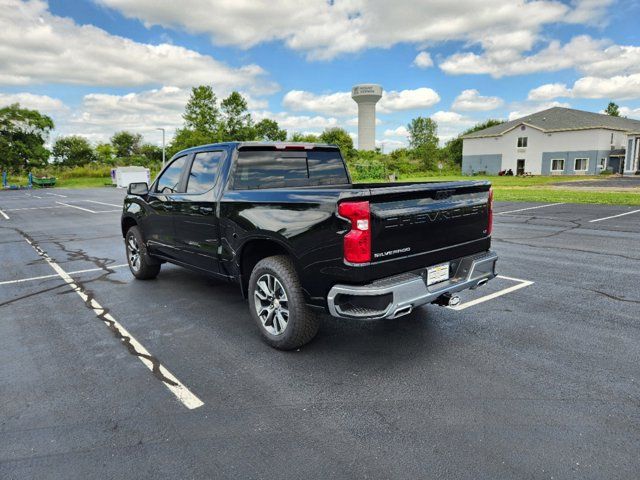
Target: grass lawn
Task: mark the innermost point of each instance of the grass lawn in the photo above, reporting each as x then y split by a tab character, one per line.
507	189
73	182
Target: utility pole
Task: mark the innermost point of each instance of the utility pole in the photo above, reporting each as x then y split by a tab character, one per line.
163	157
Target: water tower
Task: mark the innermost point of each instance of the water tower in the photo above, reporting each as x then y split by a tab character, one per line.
366	95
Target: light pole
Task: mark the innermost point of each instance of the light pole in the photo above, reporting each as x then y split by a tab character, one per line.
160	128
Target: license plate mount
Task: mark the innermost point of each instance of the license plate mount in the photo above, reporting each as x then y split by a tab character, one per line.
437	273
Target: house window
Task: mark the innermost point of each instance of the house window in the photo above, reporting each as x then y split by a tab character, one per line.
557	165
611	138
522	142
581	164
603	163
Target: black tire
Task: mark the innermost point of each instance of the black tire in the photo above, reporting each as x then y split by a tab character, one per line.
301	322
146	267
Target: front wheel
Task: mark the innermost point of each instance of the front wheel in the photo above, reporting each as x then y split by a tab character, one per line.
277	304
140	263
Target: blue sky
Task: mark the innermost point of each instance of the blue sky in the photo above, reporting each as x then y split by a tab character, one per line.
104	65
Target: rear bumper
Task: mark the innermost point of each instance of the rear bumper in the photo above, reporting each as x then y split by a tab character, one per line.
395	296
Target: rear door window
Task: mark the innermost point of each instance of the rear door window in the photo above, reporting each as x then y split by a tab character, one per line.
204	171
273	169
169	181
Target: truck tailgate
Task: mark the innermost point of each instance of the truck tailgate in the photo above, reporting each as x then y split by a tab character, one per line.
418	218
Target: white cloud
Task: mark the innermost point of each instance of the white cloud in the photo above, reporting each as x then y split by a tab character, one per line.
579	52
527	108
325	29
298	123
630	112
400	131
419	98
616	87
423	60
388	146
42	103
341	104
472	101
39	47
100	115
451	124
549	91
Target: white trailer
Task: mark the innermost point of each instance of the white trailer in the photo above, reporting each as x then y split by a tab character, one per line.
123	176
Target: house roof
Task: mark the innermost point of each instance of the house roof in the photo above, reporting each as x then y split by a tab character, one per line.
558	119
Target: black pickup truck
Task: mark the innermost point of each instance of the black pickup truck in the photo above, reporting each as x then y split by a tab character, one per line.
284	221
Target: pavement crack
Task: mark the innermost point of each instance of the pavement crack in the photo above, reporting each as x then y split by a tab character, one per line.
560	247
614	297
92	304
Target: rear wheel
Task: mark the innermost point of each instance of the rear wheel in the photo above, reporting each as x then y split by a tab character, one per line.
277	304
141	264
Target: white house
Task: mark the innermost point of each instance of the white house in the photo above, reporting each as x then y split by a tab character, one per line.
557	141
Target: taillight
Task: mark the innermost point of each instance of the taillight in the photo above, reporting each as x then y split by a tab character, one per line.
357	243
490	207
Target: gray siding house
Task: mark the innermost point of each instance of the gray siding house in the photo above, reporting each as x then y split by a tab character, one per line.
557	141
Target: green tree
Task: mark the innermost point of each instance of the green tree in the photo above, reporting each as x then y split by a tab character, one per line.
105	153
201	112
452	151
152	153
304	137
73	151
186	138
423	132
236	119
126	144
23	133
423	139
341	138
268	129
612	109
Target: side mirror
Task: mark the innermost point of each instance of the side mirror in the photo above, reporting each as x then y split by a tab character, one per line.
138	188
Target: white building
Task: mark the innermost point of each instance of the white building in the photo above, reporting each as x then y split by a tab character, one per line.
557	141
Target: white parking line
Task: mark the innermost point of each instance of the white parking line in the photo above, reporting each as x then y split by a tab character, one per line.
614	216
42	277
6	217
56	194
530	208
102	203
182	393
75	206
499	293
30	208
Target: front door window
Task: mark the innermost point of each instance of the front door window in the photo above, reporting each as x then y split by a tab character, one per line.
520	167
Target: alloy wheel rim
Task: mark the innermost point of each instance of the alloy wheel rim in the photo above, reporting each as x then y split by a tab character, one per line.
272	304
133	253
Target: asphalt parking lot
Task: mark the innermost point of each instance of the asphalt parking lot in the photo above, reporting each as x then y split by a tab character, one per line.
536	375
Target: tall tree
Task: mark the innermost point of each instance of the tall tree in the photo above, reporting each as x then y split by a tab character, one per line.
105	153
23	133
126	144
237	122
73	151
340	137
201	113
613	109
422	132
268	129
152	153
453	148
304	137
